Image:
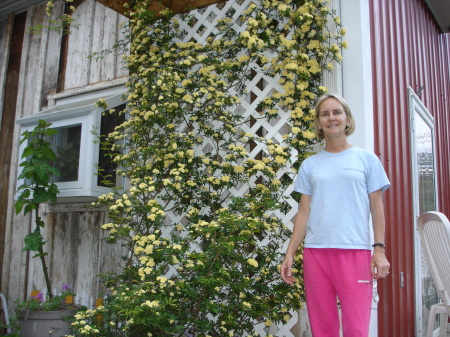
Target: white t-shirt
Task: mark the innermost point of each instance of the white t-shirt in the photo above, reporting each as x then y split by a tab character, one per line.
339	185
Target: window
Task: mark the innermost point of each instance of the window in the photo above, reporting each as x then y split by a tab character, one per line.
86	170
106	167
66	145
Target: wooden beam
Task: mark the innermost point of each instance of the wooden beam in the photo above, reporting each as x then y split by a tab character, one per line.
176	6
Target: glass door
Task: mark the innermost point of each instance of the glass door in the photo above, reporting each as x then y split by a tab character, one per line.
425	199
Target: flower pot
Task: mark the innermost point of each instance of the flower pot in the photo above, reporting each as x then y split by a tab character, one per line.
40	323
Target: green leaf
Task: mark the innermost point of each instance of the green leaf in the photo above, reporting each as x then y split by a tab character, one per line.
50	154
54	171
28	151
39	255
29	207
52	192
25	194
51	132
25	135
40	195
33	241
22	187
42	177
27	172
18	206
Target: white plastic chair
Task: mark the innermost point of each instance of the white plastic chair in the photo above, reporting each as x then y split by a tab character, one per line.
434	231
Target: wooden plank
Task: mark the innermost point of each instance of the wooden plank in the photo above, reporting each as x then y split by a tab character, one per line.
18	261
176	6
87	258
31	72
52	58
121	70
12	51
5	39
80	46
104	38
94	256
41	54
22	77
111	254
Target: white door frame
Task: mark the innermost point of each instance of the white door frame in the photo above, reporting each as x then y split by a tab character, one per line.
416	107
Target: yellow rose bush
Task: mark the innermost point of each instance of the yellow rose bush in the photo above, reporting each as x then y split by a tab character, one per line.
187	153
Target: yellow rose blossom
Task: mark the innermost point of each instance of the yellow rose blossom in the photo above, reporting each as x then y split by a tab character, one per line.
259	165
280	160
268	322
252	262
150	304
239	169
308	134
295	130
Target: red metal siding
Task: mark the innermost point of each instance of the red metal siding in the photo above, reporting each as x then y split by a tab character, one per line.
409	50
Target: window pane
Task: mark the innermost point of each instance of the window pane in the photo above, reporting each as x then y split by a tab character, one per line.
427	202
425	165
106	167
66	145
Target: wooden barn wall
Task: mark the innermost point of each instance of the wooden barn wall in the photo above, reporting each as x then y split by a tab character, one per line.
409	50
52	66
98	30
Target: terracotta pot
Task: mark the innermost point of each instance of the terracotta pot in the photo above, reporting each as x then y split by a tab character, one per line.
40	323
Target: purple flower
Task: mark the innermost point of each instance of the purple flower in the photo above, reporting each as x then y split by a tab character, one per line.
39	297
66	287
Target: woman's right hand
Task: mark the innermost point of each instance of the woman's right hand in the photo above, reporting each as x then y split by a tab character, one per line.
286	270
298	234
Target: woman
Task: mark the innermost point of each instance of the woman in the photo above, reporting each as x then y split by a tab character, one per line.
341	187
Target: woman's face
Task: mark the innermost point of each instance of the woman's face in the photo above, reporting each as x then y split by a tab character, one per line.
332	118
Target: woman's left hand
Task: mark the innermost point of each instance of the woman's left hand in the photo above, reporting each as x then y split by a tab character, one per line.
379	264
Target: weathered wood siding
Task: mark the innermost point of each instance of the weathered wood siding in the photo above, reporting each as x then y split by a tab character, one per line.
5	36
12	42
79	253
73	231
33	64
92	37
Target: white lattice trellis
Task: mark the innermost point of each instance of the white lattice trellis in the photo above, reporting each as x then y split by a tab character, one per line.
258	87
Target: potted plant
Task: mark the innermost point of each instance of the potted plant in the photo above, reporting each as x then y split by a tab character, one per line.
51	317
38	187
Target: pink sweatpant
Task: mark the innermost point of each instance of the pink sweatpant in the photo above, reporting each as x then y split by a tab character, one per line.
338	274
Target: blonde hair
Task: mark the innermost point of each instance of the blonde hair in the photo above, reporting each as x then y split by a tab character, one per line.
351	127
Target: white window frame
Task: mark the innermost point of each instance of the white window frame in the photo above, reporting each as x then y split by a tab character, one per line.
79	110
